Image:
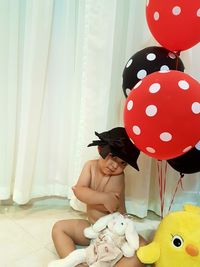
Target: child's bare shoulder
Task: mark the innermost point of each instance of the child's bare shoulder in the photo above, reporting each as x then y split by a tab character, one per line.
91	163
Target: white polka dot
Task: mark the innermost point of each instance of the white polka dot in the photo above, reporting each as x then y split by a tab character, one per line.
130	104
156	15
172	55
164	67
196	107
151	56
128	91
198	12
176	10
197	146
164	71
165	137
150	149
183	85
187	149
136	130
154	88
141	74
151	110
147	2
137	85
129	63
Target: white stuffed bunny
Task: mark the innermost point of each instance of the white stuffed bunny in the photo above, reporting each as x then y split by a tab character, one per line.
112	236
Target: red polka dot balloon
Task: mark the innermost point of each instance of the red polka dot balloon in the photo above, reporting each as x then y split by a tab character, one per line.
175	24
162	114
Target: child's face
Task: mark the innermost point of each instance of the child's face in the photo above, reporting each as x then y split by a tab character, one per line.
112	165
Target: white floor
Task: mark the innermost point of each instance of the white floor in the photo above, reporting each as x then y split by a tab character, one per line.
25	232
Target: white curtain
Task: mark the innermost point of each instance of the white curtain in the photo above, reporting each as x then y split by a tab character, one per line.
61	65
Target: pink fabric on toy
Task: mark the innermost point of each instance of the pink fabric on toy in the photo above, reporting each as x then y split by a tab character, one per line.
104	251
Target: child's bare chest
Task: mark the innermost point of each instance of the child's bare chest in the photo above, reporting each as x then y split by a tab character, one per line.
101	183
104	183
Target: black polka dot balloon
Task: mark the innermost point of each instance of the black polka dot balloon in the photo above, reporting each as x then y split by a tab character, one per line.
146	61
187	163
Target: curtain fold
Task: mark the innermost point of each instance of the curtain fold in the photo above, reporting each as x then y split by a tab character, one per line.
32	67
61	65
9	23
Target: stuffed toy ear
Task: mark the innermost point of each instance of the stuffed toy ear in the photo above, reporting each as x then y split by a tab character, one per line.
131	235
90	233
101	223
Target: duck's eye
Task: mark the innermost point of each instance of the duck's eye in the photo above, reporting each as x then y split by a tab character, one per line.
122	223
177	241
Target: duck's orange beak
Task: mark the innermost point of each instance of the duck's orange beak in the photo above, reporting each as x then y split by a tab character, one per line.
192	250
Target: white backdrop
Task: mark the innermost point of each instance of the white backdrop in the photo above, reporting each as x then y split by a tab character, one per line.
61	68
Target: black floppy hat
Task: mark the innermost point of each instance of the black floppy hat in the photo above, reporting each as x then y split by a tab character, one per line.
117	142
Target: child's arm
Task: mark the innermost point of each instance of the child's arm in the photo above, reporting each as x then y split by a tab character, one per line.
122	207
109	200
117	184
99	207
84	193
82	188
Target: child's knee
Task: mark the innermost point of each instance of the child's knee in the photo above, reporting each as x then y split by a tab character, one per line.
56	229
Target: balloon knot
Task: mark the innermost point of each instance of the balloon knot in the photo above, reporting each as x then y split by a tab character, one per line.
177	53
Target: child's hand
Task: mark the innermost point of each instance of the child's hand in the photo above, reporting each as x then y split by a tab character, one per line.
111	201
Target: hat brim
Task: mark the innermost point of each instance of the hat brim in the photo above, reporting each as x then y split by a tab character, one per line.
117	142
126	158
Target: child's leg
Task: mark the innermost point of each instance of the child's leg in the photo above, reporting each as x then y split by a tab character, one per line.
67	233
133	261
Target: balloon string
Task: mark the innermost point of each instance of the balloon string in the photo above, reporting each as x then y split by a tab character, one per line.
181	182
177	57
176	63
177	186
162	185
177	53
162	196
165	181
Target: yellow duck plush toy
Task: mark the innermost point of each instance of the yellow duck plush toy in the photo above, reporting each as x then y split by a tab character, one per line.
176	242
